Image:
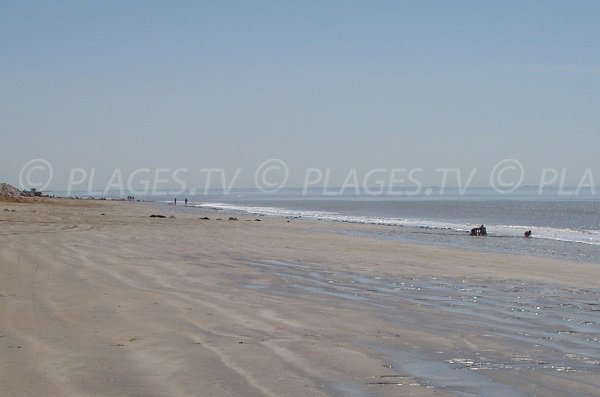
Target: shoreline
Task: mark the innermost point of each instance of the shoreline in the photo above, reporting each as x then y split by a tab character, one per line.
535	268
443	237
97	298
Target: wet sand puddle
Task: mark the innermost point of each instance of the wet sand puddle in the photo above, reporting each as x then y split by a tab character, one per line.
546	328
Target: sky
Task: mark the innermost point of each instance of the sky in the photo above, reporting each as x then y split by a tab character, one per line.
336	85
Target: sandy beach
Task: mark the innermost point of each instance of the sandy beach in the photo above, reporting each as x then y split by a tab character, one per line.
99	299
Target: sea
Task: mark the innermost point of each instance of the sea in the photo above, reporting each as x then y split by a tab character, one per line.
563	225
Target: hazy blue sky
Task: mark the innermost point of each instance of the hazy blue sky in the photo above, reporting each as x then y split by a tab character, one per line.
128	84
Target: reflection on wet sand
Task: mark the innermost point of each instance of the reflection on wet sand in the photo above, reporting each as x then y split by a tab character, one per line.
509	327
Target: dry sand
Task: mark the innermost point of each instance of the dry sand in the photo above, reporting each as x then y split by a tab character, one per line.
98	299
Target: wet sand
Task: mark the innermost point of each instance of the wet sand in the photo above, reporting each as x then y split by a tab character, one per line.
97	298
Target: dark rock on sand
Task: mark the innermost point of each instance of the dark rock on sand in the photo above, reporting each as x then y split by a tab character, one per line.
157	216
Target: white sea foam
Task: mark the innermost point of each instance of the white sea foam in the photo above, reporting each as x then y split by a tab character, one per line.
559	234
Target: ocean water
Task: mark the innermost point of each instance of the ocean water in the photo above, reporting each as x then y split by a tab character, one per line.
562	226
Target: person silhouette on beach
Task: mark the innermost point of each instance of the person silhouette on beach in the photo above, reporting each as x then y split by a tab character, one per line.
527	233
